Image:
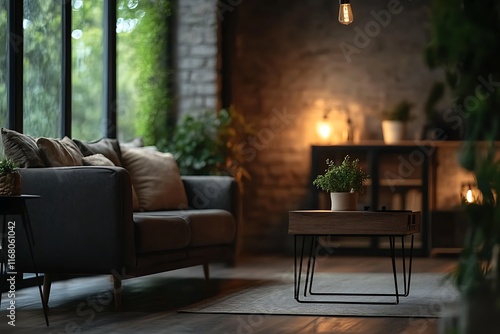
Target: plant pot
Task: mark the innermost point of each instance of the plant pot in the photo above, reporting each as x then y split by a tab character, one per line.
10	184
393	131
344	201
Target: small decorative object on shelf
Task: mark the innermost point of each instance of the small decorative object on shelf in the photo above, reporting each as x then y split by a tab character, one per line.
10	179
470	193
344	182
394	122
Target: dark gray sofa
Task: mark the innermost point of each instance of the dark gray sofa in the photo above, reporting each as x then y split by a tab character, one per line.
84	224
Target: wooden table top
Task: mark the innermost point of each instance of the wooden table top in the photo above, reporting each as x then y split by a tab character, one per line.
327	222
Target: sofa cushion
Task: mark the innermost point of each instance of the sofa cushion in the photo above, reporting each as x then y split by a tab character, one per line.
97	160
59	152
21	149
155	234
208	226
105	146
156	179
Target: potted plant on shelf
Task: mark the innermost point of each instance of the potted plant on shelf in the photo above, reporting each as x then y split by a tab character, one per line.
10	179
394	122
344	182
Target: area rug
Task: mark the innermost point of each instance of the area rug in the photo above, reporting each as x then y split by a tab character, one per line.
429	293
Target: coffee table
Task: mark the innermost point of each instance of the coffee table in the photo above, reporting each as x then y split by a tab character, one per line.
313	224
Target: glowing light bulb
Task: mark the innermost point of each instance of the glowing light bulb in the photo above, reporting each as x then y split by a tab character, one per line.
324	130
345	12
469	197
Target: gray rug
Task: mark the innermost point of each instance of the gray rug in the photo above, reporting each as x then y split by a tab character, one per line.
429	293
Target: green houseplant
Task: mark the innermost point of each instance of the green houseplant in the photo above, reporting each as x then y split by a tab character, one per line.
465	45
208	143
344	182
10	179
394	122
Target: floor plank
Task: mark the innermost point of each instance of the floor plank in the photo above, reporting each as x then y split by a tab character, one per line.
85	305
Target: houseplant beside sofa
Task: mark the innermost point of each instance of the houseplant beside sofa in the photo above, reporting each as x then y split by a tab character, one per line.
85	223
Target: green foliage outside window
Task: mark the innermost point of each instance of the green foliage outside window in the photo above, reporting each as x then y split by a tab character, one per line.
143	95
3	63
42	68
142	76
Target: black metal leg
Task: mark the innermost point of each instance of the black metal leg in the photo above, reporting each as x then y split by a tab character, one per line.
392	241
316	249
29	235
3	261
298	273
311	266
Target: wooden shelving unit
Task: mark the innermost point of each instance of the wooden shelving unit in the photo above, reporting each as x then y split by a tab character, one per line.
400	178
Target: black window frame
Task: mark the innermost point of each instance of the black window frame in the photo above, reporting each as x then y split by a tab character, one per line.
15	54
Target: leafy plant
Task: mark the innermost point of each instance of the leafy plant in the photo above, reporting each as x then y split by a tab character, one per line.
346	177
464	43
207	143
7	166
435	94
400	112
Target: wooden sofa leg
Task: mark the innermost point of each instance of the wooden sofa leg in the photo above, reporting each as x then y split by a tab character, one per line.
117	290
206	271
47	283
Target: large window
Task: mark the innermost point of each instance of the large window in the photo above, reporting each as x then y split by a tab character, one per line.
42	68
142	70
52	98
87	69
3	63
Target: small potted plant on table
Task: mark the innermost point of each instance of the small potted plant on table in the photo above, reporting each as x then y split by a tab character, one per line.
344	182
10	179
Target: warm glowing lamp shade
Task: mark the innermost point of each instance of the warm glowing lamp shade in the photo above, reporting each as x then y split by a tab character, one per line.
345	12
324	130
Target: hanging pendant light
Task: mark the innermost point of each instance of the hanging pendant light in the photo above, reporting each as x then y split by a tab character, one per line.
345	12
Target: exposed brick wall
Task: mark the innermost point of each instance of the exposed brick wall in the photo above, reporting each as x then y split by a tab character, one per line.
195	64
291	60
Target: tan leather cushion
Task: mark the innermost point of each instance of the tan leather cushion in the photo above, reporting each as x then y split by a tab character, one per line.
155	234
21	149
97	160
156	179
59	152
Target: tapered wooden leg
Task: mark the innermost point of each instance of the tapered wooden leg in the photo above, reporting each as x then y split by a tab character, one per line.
206	271
47	283
117	290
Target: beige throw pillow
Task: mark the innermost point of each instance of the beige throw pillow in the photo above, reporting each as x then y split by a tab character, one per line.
156	179
59	152
21	149
97	160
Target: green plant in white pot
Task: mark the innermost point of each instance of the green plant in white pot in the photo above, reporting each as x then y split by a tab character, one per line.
10	179
344	182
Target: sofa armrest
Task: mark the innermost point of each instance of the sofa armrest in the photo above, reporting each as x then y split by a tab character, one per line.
212	192
83	221
216	192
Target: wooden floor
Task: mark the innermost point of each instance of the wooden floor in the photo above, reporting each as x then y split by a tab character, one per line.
85	305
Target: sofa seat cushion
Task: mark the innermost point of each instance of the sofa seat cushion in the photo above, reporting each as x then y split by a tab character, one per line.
208	227
156	234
